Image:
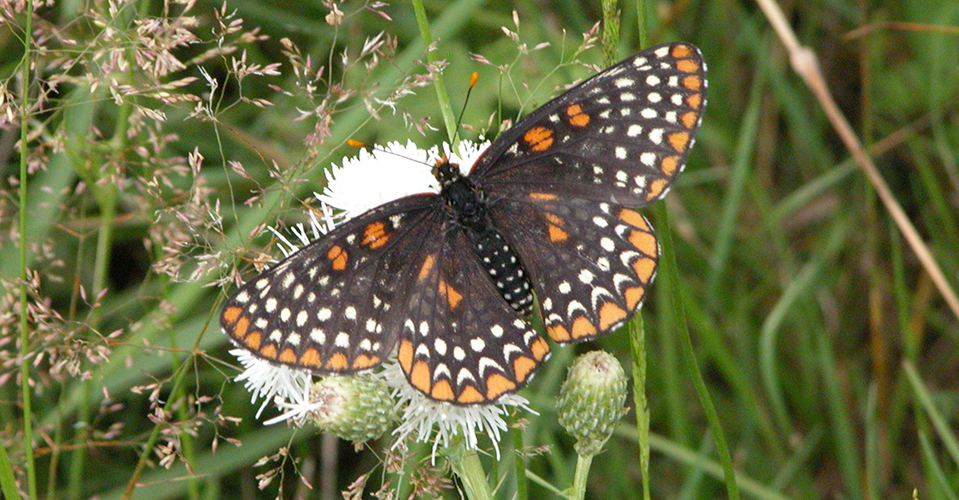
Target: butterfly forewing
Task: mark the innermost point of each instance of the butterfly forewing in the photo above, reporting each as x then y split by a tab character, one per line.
621	136
325	307
460	342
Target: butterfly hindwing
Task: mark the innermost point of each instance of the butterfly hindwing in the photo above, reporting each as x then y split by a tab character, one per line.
324	307
591	263
621	136
460	342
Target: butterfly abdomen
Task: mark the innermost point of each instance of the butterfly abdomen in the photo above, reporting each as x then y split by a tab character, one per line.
504	268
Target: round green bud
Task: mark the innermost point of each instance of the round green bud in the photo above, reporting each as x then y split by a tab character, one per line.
592	400
356	408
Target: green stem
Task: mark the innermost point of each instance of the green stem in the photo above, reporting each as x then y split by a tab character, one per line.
467	466
670	280
578	491
441	95
24	329
637	343
522	488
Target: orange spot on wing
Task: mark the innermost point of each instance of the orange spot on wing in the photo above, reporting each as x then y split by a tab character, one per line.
580	120
542	196
269	351
655	189
633	218
539	138
338	256
311	358
540	348
669	165
576	116
442	391
694	100
687	66
240	329
522	366
252	340
559	333
582	327
692	82
634	296
681	51
426	267
689	119
644	269
375	235
555	219
363	361
288	356
557	235
679	140
497	384
337	362
470	395
644	242
452	296
609	315
231	313
406	356
420	376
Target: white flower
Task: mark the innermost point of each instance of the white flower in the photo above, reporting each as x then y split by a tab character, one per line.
267	380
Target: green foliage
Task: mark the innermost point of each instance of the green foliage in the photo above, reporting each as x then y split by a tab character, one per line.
163	138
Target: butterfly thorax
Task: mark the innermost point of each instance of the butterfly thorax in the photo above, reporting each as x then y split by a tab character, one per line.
467	207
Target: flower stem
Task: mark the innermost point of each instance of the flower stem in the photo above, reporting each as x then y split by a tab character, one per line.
466	464
578	491
24	327
441	94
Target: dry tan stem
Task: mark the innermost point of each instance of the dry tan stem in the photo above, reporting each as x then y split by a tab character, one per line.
804	62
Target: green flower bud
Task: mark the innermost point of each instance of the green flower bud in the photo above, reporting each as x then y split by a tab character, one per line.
356	408
592	400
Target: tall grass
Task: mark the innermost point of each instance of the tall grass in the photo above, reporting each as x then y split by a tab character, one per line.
159	139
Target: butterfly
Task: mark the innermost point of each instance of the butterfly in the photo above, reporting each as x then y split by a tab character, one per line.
448	281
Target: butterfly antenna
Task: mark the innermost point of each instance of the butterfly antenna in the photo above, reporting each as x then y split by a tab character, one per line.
360	144
473	78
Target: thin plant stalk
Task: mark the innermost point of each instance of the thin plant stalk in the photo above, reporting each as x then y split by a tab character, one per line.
24	327
442	95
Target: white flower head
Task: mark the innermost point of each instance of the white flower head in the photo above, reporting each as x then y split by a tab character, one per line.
361	183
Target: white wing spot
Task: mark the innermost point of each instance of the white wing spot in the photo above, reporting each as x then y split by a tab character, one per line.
656	135
564	287
648	159
654	97
459	353
496	330
243	297
324	314
586	277
285	314
293	339
599	221
424	328
648	113
342	340
621	153
634	130
477	344
653	80
624	82
439	345
607	244
270	305
350	312
318	336
301	318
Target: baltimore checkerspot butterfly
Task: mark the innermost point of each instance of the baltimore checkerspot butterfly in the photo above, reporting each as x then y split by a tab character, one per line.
449	279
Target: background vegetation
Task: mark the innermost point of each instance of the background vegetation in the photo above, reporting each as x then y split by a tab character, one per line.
163	137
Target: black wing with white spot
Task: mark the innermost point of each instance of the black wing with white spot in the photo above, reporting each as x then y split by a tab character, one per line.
590	263
621	136
460	341
324	307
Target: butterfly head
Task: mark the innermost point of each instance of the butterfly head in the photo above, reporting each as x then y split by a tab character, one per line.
445	172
